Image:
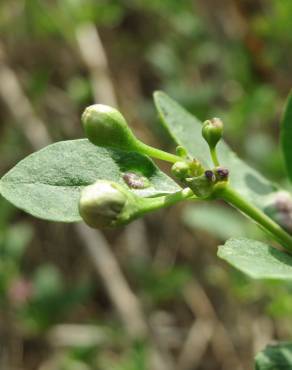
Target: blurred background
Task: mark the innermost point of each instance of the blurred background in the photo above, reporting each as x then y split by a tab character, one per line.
152	295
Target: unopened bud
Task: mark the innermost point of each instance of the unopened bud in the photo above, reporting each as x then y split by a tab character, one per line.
210	176
105	204
181	151
180	170
221	173
212	131
196	168
106	127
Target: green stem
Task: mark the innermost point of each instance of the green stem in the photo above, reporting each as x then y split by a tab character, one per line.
235	199
152	204
214	157
157	153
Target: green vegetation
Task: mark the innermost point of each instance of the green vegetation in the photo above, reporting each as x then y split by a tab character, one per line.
149	293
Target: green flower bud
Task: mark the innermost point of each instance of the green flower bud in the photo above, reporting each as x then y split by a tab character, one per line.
105	126
196	168
187	168
212	131
181	151
106	204
180	170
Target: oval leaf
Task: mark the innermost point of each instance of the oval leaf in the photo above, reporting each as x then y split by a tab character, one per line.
185	129
275	357
47	183
256	259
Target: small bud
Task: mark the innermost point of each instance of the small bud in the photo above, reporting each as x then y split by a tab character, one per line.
196	168
106	204
212	131
181	151
106	127
221	173
180	170
210	176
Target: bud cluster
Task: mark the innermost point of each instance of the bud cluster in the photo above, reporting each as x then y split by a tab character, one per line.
203	182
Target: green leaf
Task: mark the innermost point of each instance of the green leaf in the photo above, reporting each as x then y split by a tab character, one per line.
185	130
286	135
47	183
275	357
256	259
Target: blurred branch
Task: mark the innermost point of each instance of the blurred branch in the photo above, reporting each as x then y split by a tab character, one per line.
94	57
76	335
107	266
19	105
201	306
198	338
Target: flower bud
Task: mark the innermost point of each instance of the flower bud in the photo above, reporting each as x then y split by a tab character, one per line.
180	170
212	131
221	173
196	168
181	151
210	176
105	126
105	204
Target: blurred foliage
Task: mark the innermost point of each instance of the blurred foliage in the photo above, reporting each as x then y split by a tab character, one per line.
230	60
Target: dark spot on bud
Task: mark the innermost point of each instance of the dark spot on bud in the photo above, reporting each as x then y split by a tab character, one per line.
135	181
222	173
210	176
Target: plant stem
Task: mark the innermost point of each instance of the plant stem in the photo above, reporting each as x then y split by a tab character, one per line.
214	157
158	153
235	199
152	204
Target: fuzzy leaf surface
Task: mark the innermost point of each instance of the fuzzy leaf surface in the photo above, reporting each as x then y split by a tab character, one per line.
256	259
47	183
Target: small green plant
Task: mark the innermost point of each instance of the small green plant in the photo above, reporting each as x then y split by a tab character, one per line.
108	180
